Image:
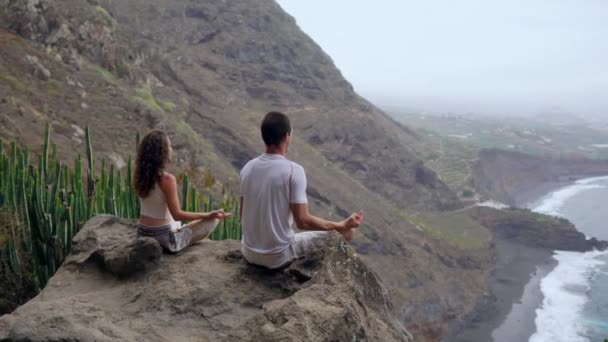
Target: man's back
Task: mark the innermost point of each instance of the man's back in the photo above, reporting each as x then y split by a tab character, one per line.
269	183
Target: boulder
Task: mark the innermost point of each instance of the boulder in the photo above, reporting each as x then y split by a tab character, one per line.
37	68
116	287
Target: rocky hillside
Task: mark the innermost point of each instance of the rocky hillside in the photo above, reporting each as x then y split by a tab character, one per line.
117	288
511	177
207	72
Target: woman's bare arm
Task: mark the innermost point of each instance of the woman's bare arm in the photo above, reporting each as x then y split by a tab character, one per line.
168	185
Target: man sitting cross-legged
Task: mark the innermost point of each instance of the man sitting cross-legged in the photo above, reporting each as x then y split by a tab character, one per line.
273	195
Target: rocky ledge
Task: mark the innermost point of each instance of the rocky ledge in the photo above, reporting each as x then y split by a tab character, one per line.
116	287
535	230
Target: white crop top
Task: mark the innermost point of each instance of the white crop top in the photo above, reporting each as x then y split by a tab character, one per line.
155	205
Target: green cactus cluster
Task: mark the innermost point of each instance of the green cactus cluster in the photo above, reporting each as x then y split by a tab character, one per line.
53	201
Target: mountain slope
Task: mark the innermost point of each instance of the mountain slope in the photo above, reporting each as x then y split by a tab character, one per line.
218	67
207	72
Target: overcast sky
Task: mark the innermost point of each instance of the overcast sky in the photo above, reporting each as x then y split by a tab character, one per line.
515	56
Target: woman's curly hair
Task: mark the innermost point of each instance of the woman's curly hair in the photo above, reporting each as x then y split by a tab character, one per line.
152	154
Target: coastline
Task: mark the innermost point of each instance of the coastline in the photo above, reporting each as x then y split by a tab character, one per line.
526	198
523	199
509	313
517	275
519	324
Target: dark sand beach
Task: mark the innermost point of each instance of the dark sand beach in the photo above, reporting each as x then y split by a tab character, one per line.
516	279
519	324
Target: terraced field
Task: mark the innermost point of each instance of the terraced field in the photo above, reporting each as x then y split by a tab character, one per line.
454	141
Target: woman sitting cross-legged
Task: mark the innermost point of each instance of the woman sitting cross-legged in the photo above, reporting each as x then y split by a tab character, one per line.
160	207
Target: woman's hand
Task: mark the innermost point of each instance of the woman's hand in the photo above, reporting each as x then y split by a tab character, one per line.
218	214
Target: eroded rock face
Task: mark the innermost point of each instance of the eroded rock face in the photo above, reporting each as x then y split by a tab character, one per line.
115	287
510	177
536	230
69	28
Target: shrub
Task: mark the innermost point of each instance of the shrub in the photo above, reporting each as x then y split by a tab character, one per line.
168	106
16	275
467	193
144	95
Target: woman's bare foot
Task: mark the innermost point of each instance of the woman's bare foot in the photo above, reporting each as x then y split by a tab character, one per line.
348	235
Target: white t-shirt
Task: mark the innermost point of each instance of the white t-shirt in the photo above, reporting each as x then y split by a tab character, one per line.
269	183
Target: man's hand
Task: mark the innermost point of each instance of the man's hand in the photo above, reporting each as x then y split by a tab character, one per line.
353	221
219	214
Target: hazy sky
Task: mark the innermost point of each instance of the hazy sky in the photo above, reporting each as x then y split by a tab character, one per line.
480	55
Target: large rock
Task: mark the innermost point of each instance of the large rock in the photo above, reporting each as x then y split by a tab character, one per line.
535	230
115	287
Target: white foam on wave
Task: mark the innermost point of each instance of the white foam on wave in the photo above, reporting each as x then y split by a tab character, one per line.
591	180
553	202
560	316
564	289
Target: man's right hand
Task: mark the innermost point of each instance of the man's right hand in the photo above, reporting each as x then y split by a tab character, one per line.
353	221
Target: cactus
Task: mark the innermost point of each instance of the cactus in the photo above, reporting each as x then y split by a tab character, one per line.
45	149
185	184
52	202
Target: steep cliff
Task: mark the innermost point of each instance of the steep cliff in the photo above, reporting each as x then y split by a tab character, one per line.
511	177
207	71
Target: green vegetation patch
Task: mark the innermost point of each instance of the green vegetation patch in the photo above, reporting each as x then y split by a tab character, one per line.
123	70
168	106
13	82
467	193
144	95
452	161
107	75
533	217
18	282
202	149
5	36
457	228
105	15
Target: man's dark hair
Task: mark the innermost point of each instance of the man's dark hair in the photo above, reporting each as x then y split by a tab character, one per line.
274	127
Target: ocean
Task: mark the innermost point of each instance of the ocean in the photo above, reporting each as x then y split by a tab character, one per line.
575	293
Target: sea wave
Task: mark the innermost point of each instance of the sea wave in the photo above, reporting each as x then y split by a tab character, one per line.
564	289
591	180
553	202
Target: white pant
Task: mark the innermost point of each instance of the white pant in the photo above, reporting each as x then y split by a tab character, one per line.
193	231
303	245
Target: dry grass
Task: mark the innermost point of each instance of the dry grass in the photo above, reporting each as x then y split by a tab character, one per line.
456	228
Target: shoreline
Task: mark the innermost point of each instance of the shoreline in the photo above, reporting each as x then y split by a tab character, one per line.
523	199
519	324
517	275
526	198
509	314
